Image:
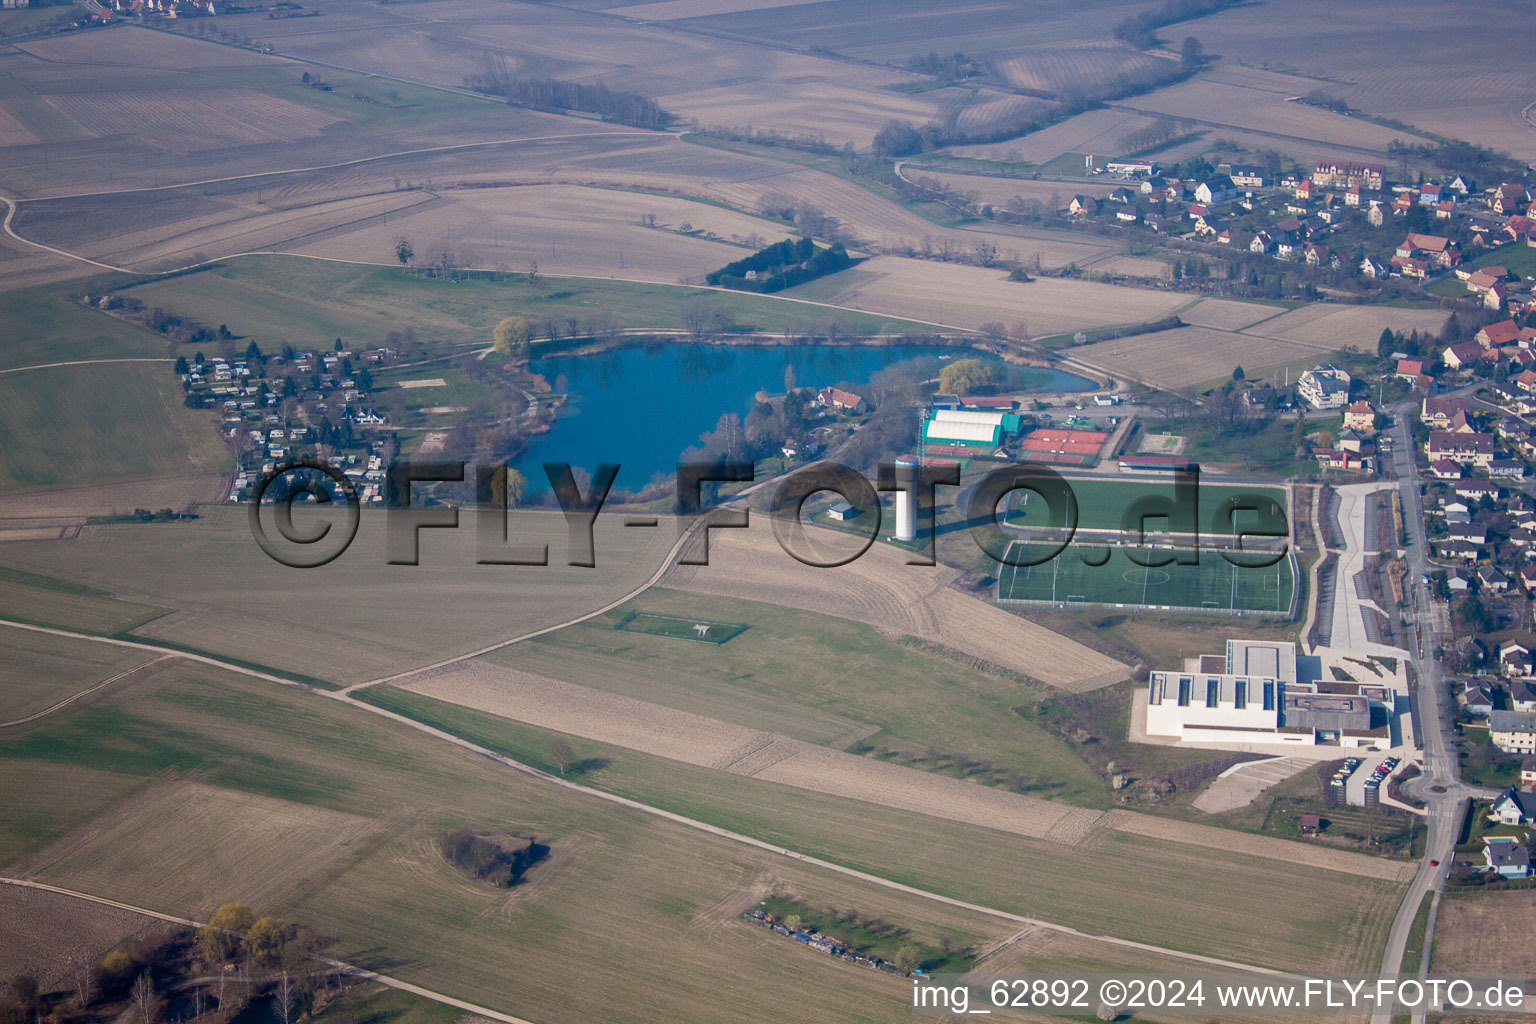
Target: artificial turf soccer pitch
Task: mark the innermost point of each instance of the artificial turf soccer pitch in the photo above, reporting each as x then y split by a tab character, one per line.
1103	503
1213	585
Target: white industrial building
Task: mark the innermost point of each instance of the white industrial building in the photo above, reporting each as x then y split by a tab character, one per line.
1255	694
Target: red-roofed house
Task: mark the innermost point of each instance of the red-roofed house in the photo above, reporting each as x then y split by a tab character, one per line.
1505	332
837	398
1463	355
1509	198
1445	469
1360	416
1409	369
1485	278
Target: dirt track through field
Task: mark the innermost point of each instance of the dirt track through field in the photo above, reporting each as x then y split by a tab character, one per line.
881	590
710	743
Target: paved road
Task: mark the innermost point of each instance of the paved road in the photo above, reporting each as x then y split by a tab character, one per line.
1440	767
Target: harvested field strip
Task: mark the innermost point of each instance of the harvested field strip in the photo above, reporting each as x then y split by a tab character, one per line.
1228	314
1248	844
1186	356
881	590
210	845
51	932
710	743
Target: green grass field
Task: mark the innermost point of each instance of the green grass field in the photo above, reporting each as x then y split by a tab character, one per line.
278	299
1104	505
99	424
1213	584
697	630
49	325
824	680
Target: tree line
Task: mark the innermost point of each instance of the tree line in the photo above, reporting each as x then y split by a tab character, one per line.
780	266
487	861
619	105
1140	30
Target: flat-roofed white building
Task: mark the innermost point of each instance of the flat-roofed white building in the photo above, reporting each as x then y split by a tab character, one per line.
1253	695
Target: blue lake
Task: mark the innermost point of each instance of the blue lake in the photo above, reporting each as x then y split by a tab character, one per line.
642	406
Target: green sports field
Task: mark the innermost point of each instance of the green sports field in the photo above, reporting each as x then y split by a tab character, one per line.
1214	584
1102	504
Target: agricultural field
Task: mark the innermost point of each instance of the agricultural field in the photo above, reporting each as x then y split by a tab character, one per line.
49	325
274	299
967	297
1330	328
46	600
240	112
273	779
900	29
414	615
45	933
1480	931
1004	191
881	590
1261	103
704	742
1001	869
1214	584
103	423
1083	67
1188	356
1465	84
705	78
1092	133
816	679
570	230
1228	314
37	671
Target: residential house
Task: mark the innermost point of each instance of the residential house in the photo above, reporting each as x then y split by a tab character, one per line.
837	398
1216	190
1497	297
1462	355
1477	698
1513	732
1506	857
1477	490
1319	256
1353	195
1509	198
1506	469
1522	695
1083	206
1475	449
1374	268
1445	469
1360	416
1324	387
1494	581
1247	176
1445	209
1482	279
1342	175
1514	660
1512	807
1409	369
1460	551
1528	577
1459	581
1378	214
1261	243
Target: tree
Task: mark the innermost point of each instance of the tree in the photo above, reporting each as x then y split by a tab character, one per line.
1238	374
221	936
908	958
145	1000
1191	54
792	922
560	754
534	280
517	486
964	376
1386	344
181	364
897	138
510	337
404	251
994	331
267	937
